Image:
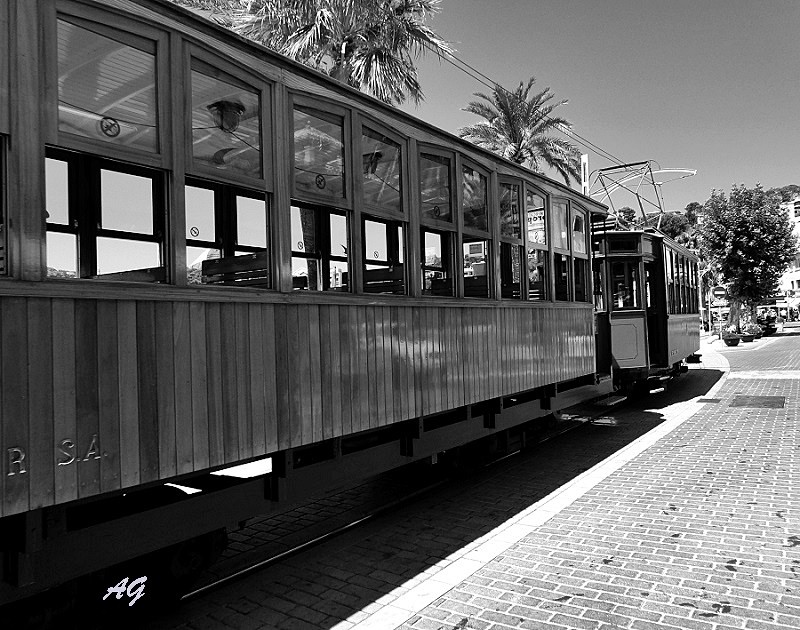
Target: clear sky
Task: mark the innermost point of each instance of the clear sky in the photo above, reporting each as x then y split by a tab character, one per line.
710	85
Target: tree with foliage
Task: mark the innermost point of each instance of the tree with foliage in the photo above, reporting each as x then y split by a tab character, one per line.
672	224
371	45
627	214
692	211
787	193
518	126
748	243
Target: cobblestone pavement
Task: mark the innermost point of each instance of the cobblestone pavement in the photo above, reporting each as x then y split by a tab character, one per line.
679	513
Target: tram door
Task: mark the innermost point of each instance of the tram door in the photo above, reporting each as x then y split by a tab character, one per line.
628	315
656	304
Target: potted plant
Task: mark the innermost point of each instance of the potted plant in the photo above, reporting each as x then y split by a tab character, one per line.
751	328
730	336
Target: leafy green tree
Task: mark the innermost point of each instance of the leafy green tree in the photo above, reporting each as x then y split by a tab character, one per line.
371	45
627	214
787	193
671	224
692	211
748	243
518	126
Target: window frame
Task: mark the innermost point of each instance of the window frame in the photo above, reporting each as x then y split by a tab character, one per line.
465	162
322	236
226	222
400	247
578	211
360	121
217	68
136	35
318	105
439	224
447	240
84	195
545	247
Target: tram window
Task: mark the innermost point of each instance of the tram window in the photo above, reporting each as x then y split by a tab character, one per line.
318	153
435	187
509	211
625	283
579	233
319	249
511	271
381	176
560	214
537	274
598	284
581	289
107	88
384	268
226	125
437	276
475	200
535	210
104	220
562	272
226	236
476	267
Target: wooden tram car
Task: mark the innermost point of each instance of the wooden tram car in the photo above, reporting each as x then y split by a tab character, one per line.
213	256
647	305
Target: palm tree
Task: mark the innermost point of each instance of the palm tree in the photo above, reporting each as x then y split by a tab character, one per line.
517	127
371	45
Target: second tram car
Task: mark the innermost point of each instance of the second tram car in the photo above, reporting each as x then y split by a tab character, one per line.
647	305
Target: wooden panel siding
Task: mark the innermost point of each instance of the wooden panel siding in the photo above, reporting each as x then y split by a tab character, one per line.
121	392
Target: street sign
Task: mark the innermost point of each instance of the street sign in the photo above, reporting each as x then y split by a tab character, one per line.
719	303
719	292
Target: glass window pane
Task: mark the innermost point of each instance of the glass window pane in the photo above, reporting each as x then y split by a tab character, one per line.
251	222
126	202
62	255
561	270
475	199
579	233
57	191
560	214
534	207
380	162
537	274
435	187
476	268
106	89
375	240
625	283
510	271
304	237
118	254
200	214
383	257
509	211
306	274
432	250
436	276
339	236
226	126
318	153
580	280
194	262
599	287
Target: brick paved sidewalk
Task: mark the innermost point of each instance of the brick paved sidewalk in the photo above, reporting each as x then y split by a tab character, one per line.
701	530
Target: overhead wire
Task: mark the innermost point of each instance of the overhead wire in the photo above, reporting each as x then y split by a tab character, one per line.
487	81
